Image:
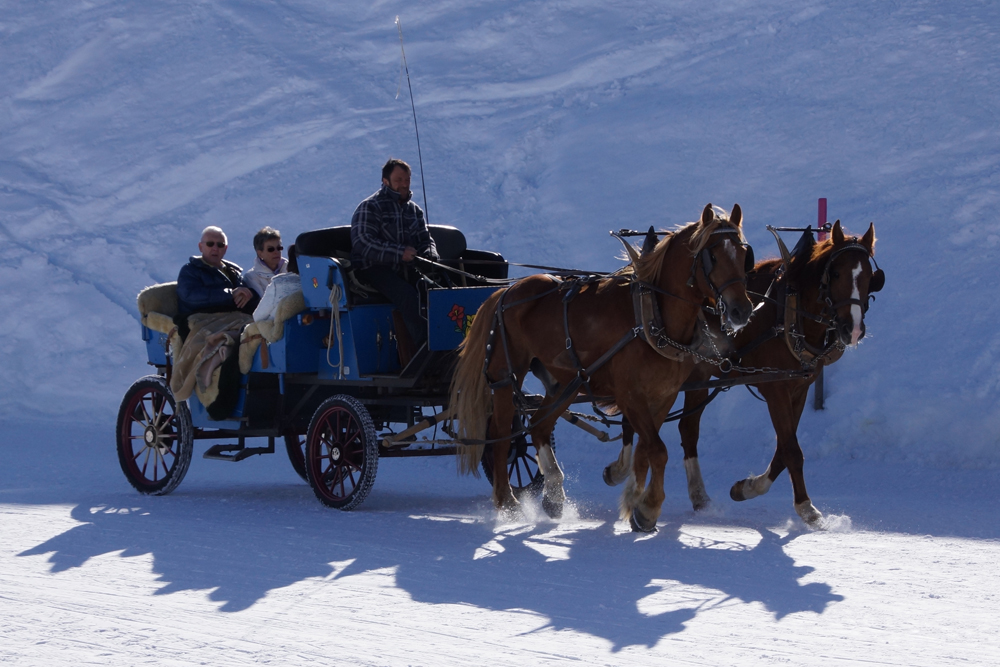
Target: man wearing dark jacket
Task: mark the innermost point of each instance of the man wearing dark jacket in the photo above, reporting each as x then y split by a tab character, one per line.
388	231
210	284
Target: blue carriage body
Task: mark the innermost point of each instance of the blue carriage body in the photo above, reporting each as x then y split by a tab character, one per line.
310	345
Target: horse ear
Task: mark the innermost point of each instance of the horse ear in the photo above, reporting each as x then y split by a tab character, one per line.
868	240
736	217
837	234
649	243
708	215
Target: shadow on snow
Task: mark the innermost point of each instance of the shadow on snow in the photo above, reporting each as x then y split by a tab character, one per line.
579	575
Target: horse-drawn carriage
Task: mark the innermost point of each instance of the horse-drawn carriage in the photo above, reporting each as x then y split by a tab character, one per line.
325	375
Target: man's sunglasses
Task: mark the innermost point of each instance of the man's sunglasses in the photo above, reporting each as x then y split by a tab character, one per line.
212	244
272	248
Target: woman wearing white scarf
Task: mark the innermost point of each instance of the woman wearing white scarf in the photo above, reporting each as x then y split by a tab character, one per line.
269	262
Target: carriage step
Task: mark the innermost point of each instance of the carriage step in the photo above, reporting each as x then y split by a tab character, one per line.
238	451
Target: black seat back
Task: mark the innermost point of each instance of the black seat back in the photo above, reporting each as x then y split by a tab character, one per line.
336	242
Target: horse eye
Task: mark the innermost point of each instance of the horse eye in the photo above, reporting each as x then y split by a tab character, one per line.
711	256
835	274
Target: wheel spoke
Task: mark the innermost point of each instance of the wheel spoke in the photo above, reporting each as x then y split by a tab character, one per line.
145	463
156	464
166	468
516	468
145	413
158	402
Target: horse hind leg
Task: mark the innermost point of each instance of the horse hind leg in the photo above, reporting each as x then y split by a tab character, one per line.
617	472
752	486
553	493
503	415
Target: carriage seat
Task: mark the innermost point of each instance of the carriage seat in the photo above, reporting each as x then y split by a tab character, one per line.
158	306
336	242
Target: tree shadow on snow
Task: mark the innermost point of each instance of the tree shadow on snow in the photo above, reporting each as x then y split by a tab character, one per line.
577	575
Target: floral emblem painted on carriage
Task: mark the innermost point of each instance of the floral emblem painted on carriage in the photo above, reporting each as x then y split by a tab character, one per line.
462	321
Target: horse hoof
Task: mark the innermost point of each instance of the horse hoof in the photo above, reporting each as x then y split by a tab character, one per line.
703	504
641	524
554	508
809	514
736	493
607	476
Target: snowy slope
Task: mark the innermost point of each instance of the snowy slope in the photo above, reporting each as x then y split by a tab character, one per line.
127	127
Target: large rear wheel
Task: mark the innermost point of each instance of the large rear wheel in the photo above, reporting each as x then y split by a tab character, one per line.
154	436
341	455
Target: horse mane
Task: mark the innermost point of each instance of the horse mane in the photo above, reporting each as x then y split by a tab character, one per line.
648	266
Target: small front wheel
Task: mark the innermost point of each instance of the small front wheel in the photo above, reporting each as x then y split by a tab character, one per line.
341	455
154	436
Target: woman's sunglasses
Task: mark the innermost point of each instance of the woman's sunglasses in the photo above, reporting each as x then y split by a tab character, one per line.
272	248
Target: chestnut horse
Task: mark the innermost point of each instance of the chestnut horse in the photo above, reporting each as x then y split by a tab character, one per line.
622	338
829	284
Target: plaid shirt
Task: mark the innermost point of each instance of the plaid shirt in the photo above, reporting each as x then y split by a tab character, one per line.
382	228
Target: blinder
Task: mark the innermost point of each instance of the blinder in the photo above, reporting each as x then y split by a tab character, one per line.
877	282
749	262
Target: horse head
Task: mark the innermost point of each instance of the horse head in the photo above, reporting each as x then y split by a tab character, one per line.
848	281
722	260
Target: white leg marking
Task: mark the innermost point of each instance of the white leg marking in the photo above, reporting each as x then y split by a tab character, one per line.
808	513
553	474
696	485
630	497
620	469
757	486
855	309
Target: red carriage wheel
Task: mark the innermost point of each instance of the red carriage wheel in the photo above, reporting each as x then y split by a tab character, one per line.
154	436
341	456
295	445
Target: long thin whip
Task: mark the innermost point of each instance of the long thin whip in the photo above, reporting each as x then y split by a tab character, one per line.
420	157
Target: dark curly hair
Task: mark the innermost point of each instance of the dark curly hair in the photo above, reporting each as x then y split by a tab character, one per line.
391	165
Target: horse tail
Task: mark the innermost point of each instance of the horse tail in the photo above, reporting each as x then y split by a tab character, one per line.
470	390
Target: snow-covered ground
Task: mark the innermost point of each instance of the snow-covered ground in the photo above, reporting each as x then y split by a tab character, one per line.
241	566
127	126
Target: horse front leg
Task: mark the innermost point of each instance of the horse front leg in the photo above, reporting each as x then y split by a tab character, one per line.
690	428
642	503
617	472
785	405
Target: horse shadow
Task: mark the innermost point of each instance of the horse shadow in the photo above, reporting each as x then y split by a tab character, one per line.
576	575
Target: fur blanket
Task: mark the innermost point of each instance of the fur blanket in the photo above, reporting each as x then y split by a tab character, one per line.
198	370
214	338
282	300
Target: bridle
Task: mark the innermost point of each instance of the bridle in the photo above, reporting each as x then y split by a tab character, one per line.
876	283
788	304
707	261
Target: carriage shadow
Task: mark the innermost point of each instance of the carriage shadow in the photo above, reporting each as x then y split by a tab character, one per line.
581	576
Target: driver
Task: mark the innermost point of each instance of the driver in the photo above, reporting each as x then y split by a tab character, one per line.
387	232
